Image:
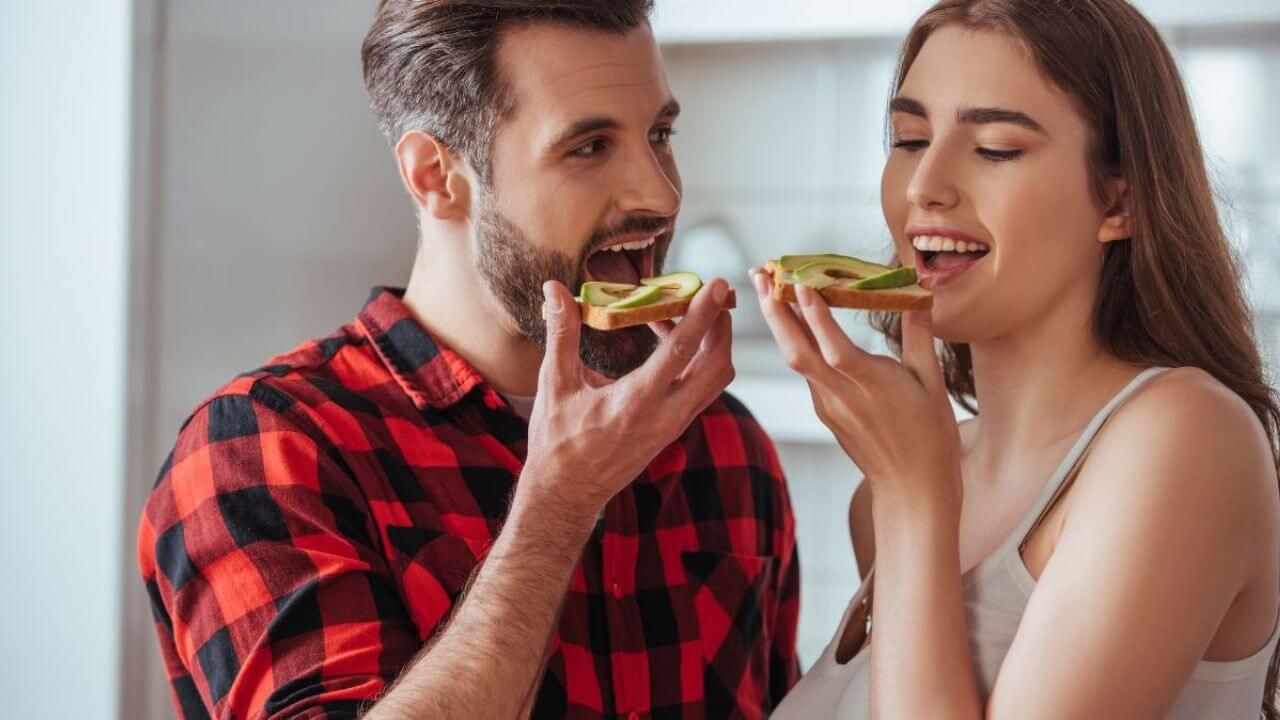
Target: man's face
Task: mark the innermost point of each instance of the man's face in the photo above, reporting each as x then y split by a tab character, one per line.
582	166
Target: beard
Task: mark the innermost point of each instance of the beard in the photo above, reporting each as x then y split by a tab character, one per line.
514	270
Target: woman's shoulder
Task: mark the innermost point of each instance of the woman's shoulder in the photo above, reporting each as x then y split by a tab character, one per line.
1187	411
1184	444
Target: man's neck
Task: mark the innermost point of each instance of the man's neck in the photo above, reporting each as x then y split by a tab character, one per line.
447	296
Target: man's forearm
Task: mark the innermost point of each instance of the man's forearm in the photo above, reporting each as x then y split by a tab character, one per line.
486	661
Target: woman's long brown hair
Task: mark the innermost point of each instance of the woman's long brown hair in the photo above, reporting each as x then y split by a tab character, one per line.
1171	295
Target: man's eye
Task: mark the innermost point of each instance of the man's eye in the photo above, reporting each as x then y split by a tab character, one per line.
910	145
662	135
591	147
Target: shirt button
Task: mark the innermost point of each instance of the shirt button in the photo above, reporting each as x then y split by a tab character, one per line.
617	595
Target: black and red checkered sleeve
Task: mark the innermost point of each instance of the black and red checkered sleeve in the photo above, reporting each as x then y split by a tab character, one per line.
270	597
784	663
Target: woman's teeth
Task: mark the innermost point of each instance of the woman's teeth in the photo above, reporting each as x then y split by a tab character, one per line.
937	243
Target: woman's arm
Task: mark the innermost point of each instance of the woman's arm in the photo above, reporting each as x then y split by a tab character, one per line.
862	529
1179	497
1164	528
895	422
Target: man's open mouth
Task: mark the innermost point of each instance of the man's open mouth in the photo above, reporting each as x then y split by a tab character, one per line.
626	259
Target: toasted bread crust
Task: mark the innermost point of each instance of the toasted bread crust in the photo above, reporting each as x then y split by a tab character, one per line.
912	297
600	318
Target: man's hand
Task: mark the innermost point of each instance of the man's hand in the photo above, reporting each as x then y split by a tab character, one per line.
590	436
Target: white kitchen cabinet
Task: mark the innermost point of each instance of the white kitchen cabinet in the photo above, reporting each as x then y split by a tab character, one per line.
694	21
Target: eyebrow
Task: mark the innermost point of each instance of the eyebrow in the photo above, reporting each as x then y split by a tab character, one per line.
971	115
601	122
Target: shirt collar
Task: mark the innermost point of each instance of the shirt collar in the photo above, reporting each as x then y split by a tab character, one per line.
428	372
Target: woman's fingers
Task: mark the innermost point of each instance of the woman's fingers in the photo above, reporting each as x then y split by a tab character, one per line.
797	346
918	352
836	347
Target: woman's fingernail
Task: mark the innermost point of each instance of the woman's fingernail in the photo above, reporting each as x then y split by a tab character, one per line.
757	279
552	298
804	294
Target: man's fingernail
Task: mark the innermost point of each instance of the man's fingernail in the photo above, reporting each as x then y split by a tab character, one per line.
721	292
552	298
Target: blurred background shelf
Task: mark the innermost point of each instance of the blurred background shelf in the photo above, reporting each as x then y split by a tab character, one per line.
713	21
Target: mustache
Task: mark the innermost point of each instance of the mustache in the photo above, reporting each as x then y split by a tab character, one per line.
627	226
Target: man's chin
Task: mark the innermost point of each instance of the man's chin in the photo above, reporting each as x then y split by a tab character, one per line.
617	352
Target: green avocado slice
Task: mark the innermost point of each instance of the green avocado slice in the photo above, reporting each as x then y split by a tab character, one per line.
639	297
895	278
678	285
824	273
603	294
855	267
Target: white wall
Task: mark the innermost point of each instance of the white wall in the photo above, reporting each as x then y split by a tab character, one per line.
64	94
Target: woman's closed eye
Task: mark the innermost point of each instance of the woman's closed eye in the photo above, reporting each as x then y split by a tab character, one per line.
910	145
996	155
992	154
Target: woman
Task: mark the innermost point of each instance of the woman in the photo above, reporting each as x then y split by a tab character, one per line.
1103	540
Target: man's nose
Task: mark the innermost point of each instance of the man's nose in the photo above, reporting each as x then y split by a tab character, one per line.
647	188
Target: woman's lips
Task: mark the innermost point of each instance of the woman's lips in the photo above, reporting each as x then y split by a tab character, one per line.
954	266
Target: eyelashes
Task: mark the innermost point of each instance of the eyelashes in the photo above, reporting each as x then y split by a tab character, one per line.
984	152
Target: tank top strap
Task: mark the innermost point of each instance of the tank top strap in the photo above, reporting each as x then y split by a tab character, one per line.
1067	470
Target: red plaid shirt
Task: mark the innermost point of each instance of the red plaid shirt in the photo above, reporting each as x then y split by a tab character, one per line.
318	518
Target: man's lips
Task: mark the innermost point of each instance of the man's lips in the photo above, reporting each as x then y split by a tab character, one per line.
627	258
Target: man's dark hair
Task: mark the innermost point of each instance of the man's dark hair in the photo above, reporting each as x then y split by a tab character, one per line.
430	65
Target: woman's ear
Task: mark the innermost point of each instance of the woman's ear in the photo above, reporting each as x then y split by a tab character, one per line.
437	180
1115	223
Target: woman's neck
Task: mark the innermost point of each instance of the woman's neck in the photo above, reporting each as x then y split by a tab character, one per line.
1037	388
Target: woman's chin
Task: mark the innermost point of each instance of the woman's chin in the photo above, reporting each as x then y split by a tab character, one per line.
953	322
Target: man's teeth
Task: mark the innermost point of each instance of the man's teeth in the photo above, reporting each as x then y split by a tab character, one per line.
637	245
937	243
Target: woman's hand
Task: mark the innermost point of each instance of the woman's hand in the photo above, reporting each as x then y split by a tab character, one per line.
893	419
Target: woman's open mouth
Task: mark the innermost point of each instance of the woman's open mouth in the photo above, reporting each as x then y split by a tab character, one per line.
942	257
626	260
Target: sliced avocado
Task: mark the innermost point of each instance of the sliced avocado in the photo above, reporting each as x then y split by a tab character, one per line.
857	268
678	285
825	273
605	293
895	278
639	297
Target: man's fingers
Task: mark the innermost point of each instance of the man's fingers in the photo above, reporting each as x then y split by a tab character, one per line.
680	346
918	353
560	364
711	370
662	328
837	349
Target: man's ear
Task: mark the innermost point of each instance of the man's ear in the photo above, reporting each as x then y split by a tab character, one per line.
437	179
1116	224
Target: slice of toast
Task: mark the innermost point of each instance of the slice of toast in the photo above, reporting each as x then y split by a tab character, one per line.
910	297
602	318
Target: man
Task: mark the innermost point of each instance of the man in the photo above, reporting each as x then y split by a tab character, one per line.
385	521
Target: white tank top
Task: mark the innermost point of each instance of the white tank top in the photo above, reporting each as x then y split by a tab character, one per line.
996	592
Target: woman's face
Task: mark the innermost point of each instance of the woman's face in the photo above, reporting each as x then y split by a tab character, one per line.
987	192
